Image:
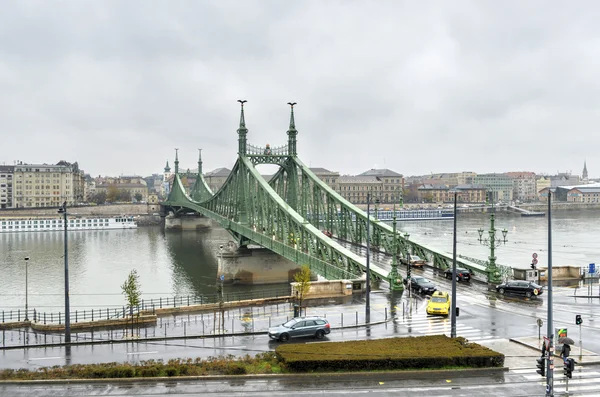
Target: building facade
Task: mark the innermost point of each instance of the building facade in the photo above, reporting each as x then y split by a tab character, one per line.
392	184
329	177
500	186
47	185
524	186
355	188
124	188
6	186
216	178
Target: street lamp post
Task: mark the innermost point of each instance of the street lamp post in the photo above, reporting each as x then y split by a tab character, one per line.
453	316
26	294
492	269
406	236
63	210
368	286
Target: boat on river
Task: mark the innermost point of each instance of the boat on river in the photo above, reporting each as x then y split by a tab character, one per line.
26	225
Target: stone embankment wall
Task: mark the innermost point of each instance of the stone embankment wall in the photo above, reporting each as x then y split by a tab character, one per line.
141	212
107	209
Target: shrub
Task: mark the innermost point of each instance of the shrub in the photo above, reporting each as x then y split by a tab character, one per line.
171	371
235	368
149	372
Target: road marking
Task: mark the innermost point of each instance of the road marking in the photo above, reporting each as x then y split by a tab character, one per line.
231	347
44	358
142	353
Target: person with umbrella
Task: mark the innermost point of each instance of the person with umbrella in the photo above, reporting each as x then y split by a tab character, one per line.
566	349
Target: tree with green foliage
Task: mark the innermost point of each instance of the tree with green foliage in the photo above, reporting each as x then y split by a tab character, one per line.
131	290
112	193
302	279
125	196
138	197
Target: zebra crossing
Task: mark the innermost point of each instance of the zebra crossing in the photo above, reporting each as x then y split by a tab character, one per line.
434	325
585	381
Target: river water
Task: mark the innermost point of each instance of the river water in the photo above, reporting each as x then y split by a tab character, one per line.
185	263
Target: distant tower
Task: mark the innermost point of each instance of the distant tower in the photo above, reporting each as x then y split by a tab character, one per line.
584	175
166	187
167	173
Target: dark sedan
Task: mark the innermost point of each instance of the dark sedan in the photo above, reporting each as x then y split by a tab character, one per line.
422	285
461	274
526	288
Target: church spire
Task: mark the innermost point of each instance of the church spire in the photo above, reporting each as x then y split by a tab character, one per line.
167	168
585	171
176	161
242	131
292	132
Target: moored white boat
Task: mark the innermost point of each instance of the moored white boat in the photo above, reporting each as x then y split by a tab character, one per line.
20	225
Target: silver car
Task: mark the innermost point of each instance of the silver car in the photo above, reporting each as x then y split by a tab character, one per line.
299	327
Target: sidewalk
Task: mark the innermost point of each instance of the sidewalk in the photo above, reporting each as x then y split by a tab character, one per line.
534	345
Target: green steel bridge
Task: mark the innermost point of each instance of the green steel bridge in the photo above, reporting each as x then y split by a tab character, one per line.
289	213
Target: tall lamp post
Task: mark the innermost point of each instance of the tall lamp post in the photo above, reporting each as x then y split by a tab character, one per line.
26	294
63	210
492	241
453	317
406	236
368	286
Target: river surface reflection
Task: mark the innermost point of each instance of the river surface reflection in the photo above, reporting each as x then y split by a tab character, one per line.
185	263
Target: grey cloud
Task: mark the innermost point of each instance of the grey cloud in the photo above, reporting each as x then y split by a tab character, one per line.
416	86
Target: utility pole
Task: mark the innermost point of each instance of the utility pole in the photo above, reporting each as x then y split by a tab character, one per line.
453	317
26	293
368	287
550	369
63	210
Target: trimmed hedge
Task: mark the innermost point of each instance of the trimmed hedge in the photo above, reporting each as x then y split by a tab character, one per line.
429	352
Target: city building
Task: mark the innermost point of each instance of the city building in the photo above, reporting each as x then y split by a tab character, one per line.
124	188
541	183
500	186
329	177
392	184
6	186
524	186
47	185
216	178
469	193
583	194
435	194
355	188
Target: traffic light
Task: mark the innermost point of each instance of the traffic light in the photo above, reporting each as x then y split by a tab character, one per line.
578	319
457	311
541	364
568	367
532	266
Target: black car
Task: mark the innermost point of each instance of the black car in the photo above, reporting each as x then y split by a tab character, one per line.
526	288
461	274
421	285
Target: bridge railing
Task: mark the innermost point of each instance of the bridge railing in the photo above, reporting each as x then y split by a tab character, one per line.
146	305
252	150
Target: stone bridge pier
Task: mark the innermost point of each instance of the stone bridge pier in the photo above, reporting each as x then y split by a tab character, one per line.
248	266
187	222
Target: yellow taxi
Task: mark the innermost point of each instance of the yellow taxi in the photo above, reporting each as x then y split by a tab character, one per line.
439	303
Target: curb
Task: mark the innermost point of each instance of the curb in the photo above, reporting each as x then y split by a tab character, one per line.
163	339
383	375
582	364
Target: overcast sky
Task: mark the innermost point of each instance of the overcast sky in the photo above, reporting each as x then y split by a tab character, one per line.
415	86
